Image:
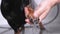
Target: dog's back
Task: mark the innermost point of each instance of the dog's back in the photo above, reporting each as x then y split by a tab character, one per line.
13	12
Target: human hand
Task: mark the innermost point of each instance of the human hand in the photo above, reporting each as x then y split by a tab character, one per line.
42	10
44	6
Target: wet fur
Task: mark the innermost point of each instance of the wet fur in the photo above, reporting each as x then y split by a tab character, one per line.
13	12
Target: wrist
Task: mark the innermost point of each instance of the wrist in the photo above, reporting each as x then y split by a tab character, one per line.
53	3
58	1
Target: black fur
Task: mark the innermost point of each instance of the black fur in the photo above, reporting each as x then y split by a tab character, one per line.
13	12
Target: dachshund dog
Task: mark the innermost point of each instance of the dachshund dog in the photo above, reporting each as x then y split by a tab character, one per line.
13	12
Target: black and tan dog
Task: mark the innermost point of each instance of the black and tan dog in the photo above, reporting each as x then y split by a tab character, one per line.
13	12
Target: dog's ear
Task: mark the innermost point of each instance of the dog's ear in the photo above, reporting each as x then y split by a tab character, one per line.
26	11
29	12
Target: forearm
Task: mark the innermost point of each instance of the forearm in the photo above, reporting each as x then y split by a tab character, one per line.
58	1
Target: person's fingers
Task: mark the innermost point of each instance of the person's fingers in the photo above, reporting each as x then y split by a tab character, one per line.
41	8
38	12
43	15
